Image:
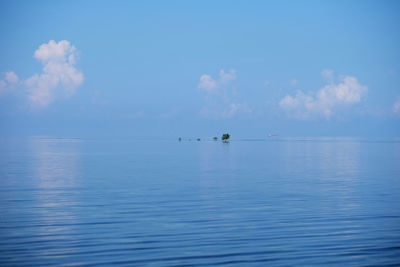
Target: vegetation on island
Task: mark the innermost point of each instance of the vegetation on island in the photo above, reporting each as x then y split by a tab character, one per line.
225	137
215	138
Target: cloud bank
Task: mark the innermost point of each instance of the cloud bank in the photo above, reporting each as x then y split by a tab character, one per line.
347	91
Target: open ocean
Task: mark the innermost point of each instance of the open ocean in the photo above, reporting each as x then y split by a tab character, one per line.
270	202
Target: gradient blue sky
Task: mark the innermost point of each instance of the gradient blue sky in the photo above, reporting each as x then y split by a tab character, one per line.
187	68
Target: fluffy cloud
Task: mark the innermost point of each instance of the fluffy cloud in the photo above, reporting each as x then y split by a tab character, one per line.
220	96
59	73
10	81
226	77
58	77
347	91
396	105
208	84
11	77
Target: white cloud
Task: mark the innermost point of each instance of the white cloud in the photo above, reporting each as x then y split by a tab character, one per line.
11	77
220	97
396	105
208	84
9	82
59	73
225	77
347	92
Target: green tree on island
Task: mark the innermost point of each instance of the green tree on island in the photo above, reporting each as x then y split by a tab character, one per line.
215	138
225	137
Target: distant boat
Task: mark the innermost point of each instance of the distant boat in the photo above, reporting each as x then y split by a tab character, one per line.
272	135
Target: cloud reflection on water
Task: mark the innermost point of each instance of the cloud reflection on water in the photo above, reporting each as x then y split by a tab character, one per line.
56	169
56	162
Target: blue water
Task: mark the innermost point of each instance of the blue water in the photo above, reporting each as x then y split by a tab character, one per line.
276	202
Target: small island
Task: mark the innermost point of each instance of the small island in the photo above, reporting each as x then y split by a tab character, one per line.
225	137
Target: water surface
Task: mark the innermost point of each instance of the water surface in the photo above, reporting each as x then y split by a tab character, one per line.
299	201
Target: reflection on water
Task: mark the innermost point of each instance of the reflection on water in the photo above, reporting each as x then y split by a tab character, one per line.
215	159
56	169
39	205
280	202
56	162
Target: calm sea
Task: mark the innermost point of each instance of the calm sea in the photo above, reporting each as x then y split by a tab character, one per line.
272	202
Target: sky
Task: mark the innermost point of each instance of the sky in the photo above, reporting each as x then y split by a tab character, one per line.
168	69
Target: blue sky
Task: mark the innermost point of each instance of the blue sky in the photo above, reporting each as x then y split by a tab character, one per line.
187	68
